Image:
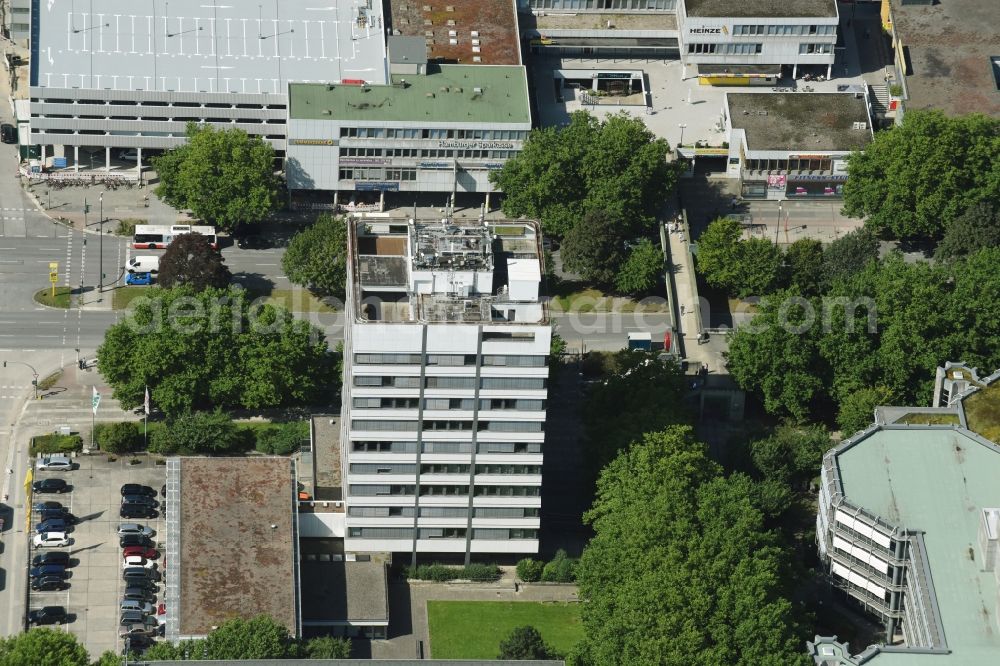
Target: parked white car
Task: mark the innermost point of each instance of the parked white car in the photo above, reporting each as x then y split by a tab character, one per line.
55	463
51	540
137	561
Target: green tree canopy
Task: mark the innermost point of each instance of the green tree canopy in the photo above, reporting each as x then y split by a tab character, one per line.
327	647
225	177
917	178
316	257
616	165
43	647
259	637
190	260
857	409
196	350
759	266
680	569
594	248
791	455
642	271
117	437
198	432
718	255
976	228
848	255
640	394
804	266
524	643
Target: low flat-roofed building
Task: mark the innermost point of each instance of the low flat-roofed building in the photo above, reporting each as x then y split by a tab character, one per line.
908	527
442	131
232	548
630	28
947	54
794	145
460	31
347	597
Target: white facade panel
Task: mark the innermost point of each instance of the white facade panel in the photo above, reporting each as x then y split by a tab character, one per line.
862	528
861	554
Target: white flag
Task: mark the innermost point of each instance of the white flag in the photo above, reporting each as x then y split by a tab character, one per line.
95	400
145	404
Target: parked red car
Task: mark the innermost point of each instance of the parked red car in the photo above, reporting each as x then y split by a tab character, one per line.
140	551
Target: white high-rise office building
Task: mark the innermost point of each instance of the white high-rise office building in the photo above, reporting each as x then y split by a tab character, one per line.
446	345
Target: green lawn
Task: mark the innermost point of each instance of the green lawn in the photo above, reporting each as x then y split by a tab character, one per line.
61	299
293	300
474	629
982	411
123	296
924	418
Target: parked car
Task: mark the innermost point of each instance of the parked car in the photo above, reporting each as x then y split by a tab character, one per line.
140	573
146	263
139	499
51	557
134	540
48	584
137	489
135	528
144	607
51	486
47	615
138	594
54	463
8	133
134	630
137	643
137	561
141	551
51	540
130	510
130	617
52	525
139	279
47	570
60	514
141	584
43	506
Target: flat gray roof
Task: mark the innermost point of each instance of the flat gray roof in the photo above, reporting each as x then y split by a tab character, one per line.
935	480
949	45
236	542
761	8
801	121
194	46
409	50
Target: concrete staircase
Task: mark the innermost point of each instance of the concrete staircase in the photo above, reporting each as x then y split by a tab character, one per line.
880	98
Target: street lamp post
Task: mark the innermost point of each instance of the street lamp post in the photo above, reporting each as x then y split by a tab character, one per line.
100	249
777	223
682	126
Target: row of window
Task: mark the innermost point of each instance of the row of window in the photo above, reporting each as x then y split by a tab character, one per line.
655	5
389	489
783	30
440	134
443	512
449	403
451	425
806	49
440	533
514	361
442	468
178	105
447	447
378	174
494	383
795	164
348	152
725	49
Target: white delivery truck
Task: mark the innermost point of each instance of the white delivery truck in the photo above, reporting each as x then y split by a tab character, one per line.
144	264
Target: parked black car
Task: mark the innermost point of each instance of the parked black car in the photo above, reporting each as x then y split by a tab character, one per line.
47	615
48	584
57	514
140	593
137	489
51	486
8	133
139	499
47	506
60	557
52	525
135	540
130	510
47	570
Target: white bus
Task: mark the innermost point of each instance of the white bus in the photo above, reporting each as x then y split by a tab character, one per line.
153	236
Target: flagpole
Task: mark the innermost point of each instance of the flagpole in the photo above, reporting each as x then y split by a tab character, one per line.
145	418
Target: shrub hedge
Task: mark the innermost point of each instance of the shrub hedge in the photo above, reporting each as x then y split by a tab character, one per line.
55	443
441	572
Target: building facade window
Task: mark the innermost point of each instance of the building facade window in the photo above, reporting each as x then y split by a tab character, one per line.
809	49
444	468
506	512
380	511
444	512
432	490
510	447
504	534
383	468
381	532
442	533
384	447
508	491
379	490
371	424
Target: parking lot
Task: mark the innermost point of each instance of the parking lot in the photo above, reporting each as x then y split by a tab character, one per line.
93	598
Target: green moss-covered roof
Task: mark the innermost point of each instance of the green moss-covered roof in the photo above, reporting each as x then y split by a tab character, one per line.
446	94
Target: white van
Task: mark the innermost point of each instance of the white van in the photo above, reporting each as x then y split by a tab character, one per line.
144	264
